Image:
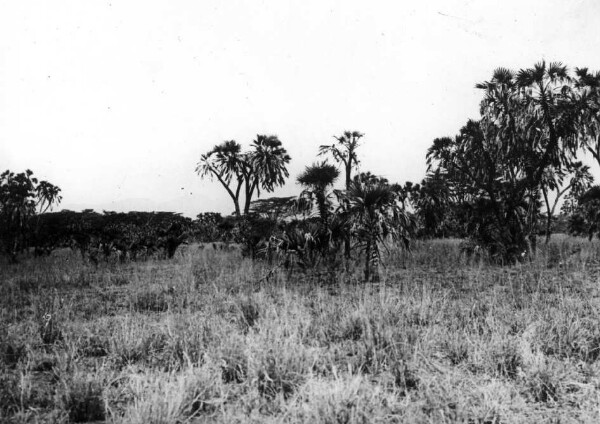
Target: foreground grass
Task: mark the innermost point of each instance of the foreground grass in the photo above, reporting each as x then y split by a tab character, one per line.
213	337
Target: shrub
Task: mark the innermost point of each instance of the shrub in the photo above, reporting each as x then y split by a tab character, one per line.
82	399
274	378
151	301
249	313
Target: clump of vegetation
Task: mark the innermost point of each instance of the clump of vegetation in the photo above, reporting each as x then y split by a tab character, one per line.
82	399
50	331
151	301
542	387
249	312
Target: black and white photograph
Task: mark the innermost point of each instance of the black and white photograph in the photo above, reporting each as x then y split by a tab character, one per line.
317	211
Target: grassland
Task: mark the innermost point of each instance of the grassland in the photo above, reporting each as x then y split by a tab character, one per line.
213	337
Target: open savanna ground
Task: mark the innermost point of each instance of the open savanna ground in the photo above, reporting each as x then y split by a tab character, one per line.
213	337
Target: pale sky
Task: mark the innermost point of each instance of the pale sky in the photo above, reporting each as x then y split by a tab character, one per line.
115	101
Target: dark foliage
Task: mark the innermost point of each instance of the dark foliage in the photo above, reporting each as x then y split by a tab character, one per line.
525	142
22	196
131	235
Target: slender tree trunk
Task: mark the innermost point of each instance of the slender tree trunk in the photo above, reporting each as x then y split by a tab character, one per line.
250	188
368	261
553	209
348	174
548	216
347	245
235	197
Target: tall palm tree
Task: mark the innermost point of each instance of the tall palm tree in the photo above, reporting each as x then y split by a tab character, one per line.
546	94
344	151
375	215
226	162
528	131
266	167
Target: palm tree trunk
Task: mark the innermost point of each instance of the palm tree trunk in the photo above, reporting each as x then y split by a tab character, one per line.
322	205
235	197
347	245
348	174
368	261
250	188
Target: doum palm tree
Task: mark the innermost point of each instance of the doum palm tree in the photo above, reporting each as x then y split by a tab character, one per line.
316	179
264	167
226	163
344	152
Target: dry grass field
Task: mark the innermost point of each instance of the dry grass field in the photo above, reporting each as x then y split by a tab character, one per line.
212	337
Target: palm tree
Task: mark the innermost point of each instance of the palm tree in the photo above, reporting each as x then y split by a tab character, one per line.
226	162
375	215
20	194
546	94
588	97
527	132
344	151
316	179
47	194
263	167
266	167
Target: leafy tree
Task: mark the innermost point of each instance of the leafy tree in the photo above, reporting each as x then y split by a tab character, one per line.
206	227
441	210
527	131
21	197
274	208
586	218
131	235
254	233
263	167
53	230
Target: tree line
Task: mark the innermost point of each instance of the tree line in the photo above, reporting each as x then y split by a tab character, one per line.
491	182
498	183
